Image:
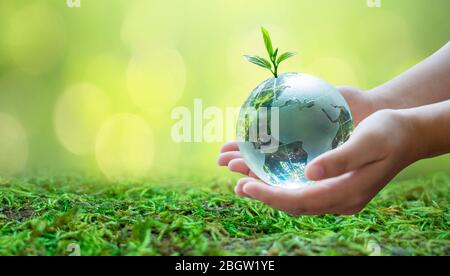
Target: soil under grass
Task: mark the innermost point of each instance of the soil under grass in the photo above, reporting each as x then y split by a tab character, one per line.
43	215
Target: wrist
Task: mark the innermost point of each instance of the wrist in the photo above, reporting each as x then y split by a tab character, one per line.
380	99
416	135
430	129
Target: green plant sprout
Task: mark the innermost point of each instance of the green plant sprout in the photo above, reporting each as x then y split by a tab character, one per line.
275	60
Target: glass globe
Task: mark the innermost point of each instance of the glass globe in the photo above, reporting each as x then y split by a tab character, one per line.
288	121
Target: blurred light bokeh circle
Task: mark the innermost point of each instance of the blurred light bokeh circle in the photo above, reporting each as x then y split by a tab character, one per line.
35	38
156	79
106	70
13	146
79	113
124	147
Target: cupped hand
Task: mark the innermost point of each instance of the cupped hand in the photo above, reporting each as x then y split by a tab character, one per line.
347	177
361	105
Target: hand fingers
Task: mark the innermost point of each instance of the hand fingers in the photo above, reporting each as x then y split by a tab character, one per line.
312	200
225	158
345	194
240	185
275	197
309	200
352	191
230	146
238	165
233	159
252	174
278	198
360	150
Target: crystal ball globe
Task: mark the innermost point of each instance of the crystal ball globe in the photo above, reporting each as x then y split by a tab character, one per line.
288	121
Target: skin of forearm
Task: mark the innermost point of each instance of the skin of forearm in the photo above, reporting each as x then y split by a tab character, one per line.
430	129
426	83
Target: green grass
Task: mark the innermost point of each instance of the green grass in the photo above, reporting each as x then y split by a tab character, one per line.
43	215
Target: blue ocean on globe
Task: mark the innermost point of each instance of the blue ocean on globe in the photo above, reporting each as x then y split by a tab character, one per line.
288	121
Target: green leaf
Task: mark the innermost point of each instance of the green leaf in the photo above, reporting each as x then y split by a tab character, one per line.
259	61
267	41
285	56
274	57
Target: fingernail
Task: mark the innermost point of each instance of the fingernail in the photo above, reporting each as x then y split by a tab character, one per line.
316	171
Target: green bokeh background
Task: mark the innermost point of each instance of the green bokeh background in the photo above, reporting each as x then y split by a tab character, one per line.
46	48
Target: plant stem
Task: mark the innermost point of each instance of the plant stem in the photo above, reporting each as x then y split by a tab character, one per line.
275	66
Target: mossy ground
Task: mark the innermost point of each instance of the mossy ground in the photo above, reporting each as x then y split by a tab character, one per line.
43	215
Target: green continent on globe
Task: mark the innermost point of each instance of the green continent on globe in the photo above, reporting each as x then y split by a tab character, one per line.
268	93
263	96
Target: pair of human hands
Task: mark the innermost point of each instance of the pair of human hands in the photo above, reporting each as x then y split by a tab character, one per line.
348	177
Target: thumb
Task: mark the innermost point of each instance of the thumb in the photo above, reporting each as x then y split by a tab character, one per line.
358	151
